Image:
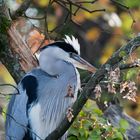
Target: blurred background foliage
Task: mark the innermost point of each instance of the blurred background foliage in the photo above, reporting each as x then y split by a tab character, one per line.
100	34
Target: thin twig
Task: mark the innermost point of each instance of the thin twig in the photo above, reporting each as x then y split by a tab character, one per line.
128	66
46	31
90	2
22	125
46	23
119	4
126	8
70	7
61	24
22	9
34	18
76	11
11	86
84	8
63	5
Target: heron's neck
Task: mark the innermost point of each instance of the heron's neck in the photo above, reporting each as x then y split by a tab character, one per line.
53	66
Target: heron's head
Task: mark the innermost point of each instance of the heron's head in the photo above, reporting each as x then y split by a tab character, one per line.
68	51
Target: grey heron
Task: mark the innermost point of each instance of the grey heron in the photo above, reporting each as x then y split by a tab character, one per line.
43	100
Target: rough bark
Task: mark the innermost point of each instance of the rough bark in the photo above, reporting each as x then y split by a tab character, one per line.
21	50
14	52
6	56
22	9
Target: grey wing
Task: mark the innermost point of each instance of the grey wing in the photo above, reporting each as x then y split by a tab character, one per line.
55	98
17	118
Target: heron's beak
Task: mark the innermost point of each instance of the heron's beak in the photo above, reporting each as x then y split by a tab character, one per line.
82	64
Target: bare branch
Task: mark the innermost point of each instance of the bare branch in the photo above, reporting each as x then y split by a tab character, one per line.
60	25
22	9
6	56
125	7
34	18
83	8
11	86
128	66
25	57
87	1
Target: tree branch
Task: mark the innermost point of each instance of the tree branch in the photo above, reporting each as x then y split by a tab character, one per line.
6	56
113	62
14	52
69	2
114	114
22	9
128	66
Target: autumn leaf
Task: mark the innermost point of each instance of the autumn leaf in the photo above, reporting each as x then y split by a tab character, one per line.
93	34
98	91
113	77
69	114
111	88
130	88
41	3
36	40
70	92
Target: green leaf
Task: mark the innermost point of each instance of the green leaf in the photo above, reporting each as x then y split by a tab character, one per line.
124	124
72	138
95	135
86	124
81	138
118	136
98	111
82	113
138	128
122	54
131	74
82	131
74	131
135	3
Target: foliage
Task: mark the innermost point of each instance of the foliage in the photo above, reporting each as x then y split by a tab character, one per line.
91	125
4	24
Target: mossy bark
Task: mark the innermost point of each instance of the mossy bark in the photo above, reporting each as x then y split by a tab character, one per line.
14	52
6	55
